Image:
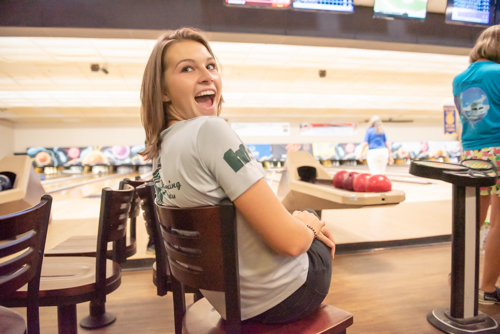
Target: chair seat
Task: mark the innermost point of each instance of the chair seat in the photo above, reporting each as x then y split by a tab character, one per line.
11	322
187	289
201	317
68	280
86	245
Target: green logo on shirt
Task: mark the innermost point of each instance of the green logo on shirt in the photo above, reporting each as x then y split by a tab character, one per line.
236	160
162	190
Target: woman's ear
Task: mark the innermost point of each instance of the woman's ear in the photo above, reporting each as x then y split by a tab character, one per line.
165	98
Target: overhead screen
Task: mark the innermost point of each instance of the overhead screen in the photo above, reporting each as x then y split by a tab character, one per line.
401	9
345	6
471	12
278	4
327	5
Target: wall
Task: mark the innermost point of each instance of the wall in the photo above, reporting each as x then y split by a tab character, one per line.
6	138
25	136
394	131
84	135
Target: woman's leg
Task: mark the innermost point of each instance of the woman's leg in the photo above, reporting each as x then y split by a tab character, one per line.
373	160
384	158
377	160
491	269
311	294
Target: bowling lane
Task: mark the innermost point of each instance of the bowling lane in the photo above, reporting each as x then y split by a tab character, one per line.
75	211
93	188
50	184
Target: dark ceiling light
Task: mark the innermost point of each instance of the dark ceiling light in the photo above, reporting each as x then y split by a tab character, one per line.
97	67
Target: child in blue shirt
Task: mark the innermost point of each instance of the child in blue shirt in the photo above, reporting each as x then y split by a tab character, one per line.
477	98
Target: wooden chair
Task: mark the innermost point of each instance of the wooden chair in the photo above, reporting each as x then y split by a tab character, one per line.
202	251
67	281
161	269
22	237
86	245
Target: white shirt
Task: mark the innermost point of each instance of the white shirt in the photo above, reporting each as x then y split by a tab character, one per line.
201	162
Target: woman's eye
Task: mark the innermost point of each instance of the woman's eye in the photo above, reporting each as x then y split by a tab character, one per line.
211	67
187	69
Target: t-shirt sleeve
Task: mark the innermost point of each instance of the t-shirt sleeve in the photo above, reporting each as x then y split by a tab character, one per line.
384	137
494	82
367	135
225	156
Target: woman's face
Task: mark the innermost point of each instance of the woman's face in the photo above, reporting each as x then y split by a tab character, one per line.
192	80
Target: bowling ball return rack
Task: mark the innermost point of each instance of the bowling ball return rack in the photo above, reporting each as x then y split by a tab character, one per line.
466	177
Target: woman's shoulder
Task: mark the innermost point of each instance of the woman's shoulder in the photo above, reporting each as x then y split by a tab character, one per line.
208	121
212	124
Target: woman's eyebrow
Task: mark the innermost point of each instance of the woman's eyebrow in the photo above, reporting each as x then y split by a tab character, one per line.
192	60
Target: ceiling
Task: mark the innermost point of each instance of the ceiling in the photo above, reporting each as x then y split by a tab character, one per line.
47	79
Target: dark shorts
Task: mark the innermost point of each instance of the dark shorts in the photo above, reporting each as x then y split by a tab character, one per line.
310	295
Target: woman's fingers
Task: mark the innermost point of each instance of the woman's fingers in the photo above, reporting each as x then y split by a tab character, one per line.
323	238
329	236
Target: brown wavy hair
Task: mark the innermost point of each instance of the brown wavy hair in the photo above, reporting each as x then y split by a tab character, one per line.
154	112
487	45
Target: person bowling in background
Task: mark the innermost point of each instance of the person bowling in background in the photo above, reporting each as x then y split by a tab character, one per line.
379	149
477	98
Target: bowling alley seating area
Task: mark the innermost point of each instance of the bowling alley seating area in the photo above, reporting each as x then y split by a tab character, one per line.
373	254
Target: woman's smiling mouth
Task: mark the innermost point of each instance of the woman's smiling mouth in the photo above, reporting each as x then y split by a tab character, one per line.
205	99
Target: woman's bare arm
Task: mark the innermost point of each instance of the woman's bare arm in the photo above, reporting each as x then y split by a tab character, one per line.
284	233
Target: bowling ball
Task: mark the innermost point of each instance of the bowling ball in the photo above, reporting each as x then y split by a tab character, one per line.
5	183
359	183
378	183
307	173
338	179
348	181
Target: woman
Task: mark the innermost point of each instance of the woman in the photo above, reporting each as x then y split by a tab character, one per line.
284	260
378	147
477	98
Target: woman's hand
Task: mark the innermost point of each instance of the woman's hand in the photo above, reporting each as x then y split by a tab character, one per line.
322	232
391	160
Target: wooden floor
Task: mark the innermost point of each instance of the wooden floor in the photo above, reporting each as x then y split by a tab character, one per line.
388	291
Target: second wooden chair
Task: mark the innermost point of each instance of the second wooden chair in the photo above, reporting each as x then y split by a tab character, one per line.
22	237
67	281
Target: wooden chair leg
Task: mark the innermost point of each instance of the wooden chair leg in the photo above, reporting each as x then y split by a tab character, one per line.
98	316
66	319
179	304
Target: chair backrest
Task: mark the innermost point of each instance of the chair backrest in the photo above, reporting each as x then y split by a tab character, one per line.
202	250
115	206
23	236
147	195
135	208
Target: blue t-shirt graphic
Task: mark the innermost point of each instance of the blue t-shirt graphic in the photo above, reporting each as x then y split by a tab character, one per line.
375	140
477	98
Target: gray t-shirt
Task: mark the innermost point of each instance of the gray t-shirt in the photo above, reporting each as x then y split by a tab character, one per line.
201	162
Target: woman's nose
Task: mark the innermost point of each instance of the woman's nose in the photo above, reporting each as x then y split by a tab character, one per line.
206	76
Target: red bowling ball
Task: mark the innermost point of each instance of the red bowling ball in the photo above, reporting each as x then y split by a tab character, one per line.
338	179
378	183
347	184
359	183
